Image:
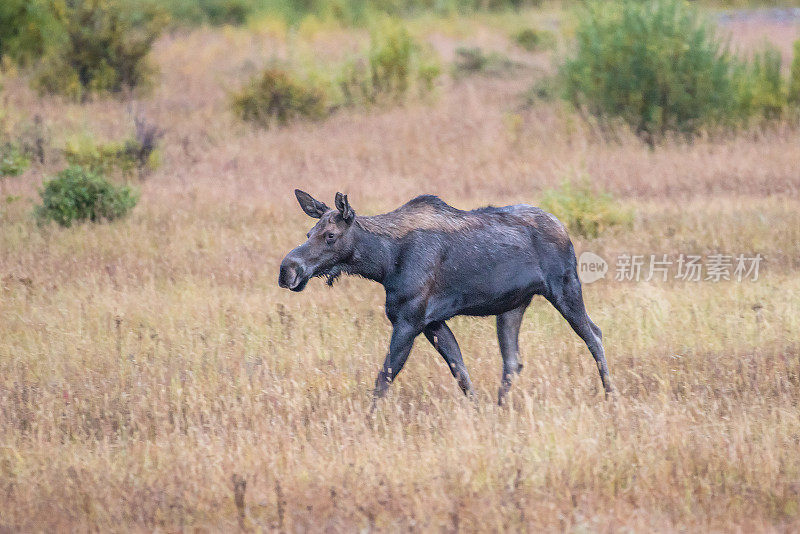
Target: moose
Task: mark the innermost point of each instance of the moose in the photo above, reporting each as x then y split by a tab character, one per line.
436	262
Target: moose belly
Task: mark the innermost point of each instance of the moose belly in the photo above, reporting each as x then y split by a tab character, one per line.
489	290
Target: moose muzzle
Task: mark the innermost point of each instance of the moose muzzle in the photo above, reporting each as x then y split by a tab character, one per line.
292	275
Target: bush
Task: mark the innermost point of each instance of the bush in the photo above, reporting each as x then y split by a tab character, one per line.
476	61
531	39
13	161
760	86
390	60
27	28
22	147
293	12
79	194
276	97
137	154
395	65
33	139
794	77
225	11
352	12
583	211
143	146
544	89
104	49
101	158
657	65
192	12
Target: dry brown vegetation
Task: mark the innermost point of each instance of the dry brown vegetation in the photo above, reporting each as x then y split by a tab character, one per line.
151	366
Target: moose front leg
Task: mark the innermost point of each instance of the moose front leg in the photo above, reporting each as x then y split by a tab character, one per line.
403	337
443	340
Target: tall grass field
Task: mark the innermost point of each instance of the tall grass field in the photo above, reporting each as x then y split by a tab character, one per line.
155	378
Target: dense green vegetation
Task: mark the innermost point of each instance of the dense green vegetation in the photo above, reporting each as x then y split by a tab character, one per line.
474	60
794	78
27	29
13	161
82	47
103	47
345	11
660	67
393	67
277	96
20	145
532	39
136	155
78	194
586	212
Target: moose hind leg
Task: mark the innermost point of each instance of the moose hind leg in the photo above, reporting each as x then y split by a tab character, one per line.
443	340
508	325
569	302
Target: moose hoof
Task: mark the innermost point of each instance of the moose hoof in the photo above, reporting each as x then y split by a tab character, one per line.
501	396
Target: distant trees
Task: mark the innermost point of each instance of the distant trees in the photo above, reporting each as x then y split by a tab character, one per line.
81	47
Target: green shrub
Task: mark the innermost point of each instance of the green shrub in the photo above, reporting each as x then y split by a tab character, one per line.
355	83
225	11
293	12
350	12
104	48
544	89
27	28
276	96
584	211
193	12
398	63
390	60
21	143
794	77
658	65
474	60
395	66
531	39
33	139
102	158
13	161
137	154
143	146
760	86
79	194
355	12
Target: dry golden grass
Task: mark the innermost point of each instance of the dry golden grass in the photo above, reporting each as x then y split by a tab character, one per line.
149	366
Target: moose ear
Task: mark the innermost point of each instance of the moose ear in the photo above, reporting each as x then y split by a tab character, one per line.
344	208
313	208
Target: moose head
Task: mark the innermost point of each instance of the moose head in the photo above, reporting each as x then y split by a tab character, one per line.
329	246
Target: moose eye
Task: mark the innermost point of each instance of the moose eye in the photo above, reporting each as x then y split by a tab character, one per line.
330	237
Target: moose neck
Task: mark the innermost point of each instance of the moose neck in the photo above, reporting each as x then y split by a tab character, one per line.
373	255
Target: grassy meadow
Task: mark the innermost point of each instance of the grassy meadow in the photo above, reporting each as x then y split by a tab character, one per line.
154	377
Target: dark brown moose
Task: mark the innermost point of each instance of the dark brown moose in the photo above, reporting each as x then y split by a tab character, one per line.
436	262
